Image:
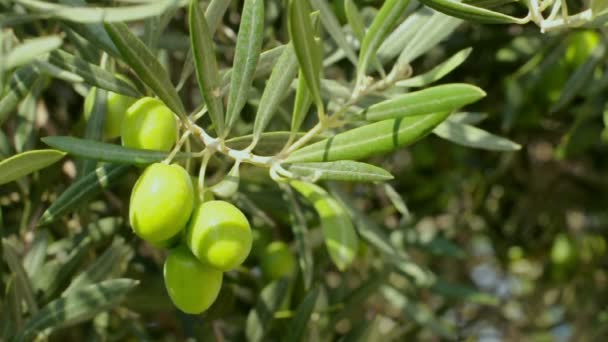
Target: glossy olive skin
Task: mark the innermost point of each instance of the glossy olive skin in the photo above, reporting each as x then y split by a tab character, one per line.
161	203
149	125
219	235
277	261
192	285
116	107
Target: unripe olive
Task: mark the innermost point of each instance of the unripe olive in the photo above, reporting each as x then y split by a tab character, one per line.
219	235
116	107
150	125
192	285
581	45
161	202
277	261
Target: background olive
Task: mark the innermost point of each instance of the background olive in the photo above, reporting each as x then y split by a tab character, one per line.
150	125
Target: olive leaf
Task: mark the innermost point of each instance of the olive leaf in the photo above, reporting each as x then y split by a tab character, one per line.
308	52
30	50
78	306
205	65
437	72
19	86
372	139
145	65
301	105
472	136
275	91
343	170
92	149
92	74
340	237
471	13
299	322
442	98
261	317
248	47
23	164
331	23
383	23
80	191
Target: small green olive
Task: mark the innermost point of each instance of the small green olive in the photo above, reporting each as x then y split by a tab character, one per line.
192	285
150	125
581	45
116	107
161	202
278	261
219	235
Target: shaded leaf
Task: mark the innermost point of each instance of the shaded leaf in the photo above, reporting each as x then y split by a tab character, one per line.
248	47
30	50
205	64
333	27
79	306
20	84
472	136
300	232
23	164
92	74
299	322
79	192
340	237
101	151
308	52
261	317
21	278
437	72
145	65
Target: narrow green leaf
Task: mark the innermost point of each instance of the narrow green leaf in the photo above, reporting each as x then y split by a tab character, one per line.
355	299
372	139
383	23
21	278
95	112
442	98
79	306
228	186
471	13
145	65
248	47
92	74
106	152
78	193
299	322
19	86
417	311
23	164
306	48
358	26
35	257
436	27
300	232
377	237
205	64
581	77
437	72
343	170
472	136
333	27
214	15
30	50
301	105
465	293
340	237
395	42
100	14
96	35
469	118
276	89
112	263
261	317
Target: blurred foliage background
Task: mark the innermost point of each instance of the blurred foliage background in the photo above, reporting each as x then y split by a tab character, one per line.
517	240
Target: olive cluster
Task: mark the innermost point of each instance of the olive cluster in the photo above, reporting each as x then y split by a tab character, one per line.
206	237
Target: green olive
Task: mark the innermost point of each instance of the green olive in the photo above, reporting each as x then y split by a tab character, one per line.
581	45
161	202
277	261
219	235
150	125
192	285
116	106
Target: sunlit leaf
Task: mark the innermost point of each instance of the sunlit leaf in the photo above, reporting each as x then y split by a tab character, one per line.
472	136
343	170
23	164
